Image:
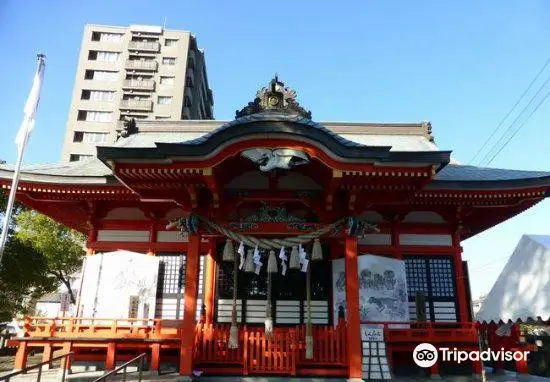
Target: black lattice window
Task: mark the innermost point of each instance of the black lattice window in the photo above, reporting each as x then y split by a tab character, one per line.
224	283
417	276
434	277
171	275
320	280
254	286
441	277
290	287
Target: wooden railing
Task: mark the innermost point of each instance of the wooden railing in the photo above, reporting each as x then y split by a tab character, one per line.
431	332
284	353
83	327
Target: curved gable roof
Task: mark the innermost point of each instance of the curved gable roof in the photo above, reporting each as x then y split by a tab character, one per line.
270	125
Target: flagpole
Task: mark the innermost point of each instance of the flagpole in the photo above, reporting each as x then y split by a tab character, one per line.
26	127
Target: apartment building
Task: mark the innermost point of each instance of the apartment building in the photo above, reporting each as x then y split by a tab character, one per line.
142	72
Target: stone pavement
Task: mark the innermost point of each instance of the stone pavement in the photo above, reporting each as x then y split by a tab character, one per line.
90	376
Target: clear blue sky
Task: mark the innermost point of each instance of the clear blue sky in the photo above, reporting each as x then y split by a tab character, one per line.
460	65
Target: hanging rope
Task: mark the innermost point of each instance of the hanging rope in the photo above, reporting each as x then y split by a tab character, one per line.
264	243
309	326
191	223
268	318
234	330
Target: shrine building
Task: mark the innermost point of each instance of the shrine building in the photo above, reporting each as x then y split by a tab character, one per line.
270	244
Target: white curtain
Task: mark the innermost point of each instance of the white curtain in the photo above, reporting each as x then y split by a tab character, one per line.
94	137
101	75
165	100
168	81
110	37
101	95
98	116
108	56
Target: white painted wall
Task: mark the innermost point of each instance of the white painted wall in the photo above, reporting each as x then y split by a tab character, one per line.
111	278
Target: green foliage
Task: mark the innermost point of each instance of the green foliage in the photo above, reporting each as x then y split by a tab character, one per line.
23	272
62	248
23	279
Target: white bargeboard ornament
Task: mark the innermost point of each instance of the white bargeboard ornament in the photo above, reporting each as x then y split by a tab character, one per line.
272	159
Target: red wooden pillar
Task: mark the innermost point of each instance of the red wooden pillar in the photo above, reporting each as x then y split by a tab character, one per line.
521	365
434	370
210	282
47	356
110	361
353	333
460	282
190	304
66	362
155	357
152	237
21	356
395	230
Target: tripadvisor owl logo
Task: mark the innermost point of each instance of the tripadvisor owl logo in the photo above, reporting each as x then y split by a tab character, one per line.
425	355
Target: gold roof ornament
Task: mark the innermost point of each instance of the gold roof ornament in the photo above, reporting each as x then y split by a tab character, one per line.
274	98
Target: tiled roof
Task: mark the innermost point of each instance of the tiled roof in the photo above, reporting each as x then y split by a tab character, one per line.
92	167
455	172
275	116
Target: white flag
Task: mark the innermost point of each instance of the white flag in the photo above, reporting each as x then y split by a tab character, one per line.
31	105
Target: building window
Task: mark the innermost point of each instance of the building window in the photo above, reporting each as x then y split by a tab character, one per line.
95	55
168	61
80	136
94	116
98	95
167	81
101	75
161	118
106	37
434	277
79	157
170	42
164	100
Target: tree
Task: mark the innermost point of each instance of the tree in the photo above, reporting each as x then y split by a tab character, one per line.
62	248
23	275
23	279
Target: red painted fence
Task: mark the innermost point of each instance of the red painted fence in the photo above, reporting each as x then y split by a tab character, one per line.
284	353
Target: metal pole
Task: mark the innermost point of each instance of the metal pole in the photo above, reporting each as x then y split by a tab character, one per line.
39	374
11	199
124	374
140	368
26	127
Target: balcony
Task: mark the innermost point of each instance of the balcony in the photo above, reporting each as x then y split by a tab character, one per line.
141	65
139	85
136	104
144	46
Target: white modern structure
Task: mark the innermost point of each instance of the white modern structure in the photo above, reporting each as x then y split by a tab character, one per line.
522	290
